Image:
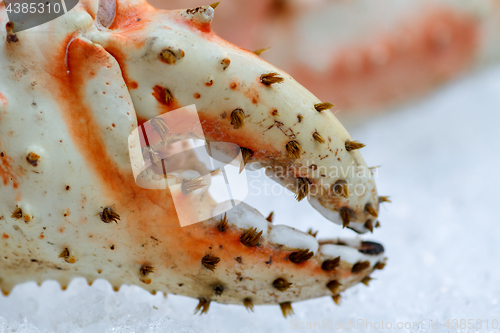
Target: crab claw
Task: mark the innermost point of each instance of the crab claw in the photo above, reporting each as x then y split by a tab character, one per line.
244	100
239	257
77	207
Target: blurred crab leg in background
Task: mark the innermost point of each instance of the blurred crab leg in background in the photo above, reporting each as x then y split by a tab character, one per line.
365	55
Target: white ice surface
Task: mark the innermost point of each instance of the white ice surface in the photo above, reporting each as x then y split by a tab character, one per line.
440	163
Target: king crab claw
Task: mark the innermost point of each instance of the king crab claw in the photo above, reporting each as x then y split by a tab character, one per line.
77	207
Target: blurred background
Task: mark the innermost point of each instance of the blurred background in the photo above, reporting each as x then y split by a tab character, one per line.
366	56
415	80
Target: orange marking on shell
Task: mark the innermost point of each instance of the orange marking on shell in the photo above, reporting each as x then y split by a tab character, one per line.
253	94
141	120
120	57
196	26
199	238
132	16
3	101
7	171
149	209
5	236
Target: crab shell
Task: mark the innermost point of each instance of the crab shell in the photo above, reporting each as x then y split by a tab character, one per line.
72	91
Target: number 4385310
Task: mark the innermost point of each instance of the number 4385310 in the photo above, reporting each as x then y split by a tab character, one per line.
471	324
33	8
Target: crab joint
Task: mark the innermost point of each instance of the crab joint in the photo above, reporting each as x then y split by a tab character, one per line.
303	185
300	256
334	286
345	215
237	118
353	145
281	284
222	226
318	138
146	269
202	306
11	36
210	261
323	106
330	264
271	78
360	266
108	215
248	303
286	309
192	185
251	237
341	188
293	148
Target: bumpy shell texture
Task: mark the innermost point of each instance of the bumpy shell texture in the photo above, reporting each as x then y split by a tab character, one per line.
71	92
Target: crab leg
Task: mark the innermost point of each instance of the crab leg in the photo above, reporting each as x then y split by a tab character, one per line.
70	202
